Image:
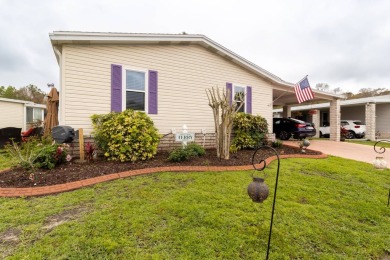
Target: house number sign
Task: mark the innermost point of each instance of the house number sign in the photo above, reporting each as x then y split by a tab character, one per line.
185	137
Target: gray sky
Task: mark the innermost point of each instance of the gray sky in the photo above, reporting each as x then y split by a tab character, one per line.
344	43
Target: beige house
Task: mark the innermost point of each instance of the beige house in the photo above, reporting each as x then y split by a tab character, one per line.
164	75
19	113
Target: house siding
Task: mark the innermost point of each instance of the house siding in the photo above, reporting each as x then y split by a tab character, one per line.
184	73
353	113
383	120
382	116
11	114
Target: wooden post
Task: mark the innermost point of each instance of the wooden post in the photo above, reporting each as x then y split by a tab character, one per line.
81	144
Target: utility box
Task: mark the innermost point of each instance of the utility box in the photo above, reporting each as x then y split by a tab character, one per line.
63	134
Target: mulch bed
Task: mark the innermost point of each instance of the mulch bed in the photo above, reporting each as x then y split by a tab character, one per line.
69	172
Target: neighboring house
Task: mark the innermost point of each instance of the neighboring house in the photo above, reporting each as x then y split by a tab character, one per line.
164	75
19	113
373	111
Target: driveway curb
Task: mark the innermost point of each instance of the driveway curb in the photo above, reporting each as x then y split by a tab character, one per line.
48	190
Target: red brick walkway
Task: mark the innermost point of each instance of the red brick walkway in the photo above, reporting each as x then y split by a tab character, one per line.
46	190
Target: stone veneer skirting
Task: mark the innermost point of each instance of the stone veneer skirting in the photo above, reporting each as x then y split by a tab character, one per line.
167	142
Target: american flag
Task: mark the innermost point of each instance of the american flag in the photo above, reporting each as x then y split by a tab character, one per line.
303	90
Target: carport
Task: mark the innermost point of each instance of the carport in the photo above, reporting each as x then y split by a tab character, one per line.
373	111
284	98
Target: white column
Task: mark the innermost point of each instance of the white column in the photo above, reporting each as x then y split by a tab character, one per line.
315	119
286	111
334	120
370	121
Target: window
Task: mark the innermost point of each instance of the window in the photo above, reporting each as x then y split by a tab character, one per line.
135	90
33	114
239	95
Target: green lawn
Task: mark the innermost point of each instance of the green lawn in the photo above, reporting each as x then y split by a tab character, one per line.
326	209
372	143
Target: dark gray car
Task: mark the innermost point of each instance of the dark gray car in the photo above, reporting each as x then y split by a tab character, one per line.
284	128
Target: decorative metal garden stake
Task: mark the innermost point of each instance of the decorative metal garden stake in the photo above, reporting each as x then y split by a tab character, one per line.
306	143
380	163
258	190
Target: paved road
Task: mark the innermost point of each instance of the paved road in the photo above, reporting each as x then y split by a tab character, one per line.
358	152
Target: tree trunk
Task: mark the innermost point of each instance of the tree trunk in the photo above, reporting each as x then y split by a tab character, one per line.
223	119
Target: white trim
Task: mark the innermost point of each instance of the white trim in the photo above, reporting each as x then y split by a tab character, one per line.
124	90
43	116
61	114
25	118
27	103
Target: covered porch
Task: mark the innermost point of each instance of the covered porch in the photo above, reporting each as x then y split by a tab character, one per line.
284	98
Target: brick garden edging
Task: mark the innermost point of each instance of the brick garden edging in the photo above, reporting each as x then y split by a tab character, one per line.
47	190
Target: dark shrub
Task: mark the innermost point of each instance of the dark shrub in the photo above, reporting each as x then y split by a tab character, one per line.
126	136
250	131
185	153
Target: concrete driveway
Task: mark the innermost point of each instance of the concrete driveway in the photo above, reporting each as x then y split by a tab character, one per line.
358	152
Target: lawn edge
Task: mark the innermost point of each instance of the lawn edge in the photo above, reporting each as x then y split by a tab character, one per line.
59	188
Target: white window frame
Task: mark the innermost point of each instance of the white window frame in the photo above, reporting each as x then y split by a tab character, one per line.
124	90
25	115
245	92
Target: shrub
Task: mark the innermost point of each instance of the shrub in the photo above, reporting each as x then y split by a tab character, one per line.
185	153
51	155
180	154
197	149
126	136
276	144
89	151
38	153
250	131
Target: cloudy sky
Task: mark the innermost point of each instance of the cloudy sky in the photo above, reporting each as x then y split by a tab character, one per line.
345	43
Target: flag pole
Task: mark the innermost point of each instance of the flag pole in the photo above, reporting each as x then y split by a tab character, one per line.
302	79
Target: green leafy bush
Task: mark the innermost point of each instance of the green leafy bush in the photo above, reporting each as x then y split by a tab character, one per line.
197	149
185	153
276	144
38	153
126	136
51	155
249	130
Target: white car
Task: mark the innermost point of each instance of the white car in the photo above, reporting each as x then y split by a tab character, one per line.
355	128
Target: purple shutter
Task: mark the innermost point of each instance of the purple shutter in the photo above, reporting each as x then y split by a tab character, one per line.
116	88
152	100
249	100
229	89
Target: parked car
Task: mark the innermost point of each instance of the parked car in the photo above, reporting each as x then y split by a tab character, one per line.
324	130
355	129
284	128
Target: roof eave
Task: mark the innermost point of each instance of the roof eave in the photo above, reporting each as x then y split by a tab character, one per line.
60	38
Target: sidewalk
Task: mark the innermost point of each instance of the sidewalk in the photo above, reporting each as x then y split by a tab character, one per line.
358	152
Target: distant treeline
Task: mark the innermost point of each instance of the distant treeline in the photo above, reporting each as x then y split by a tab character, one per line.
28	93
